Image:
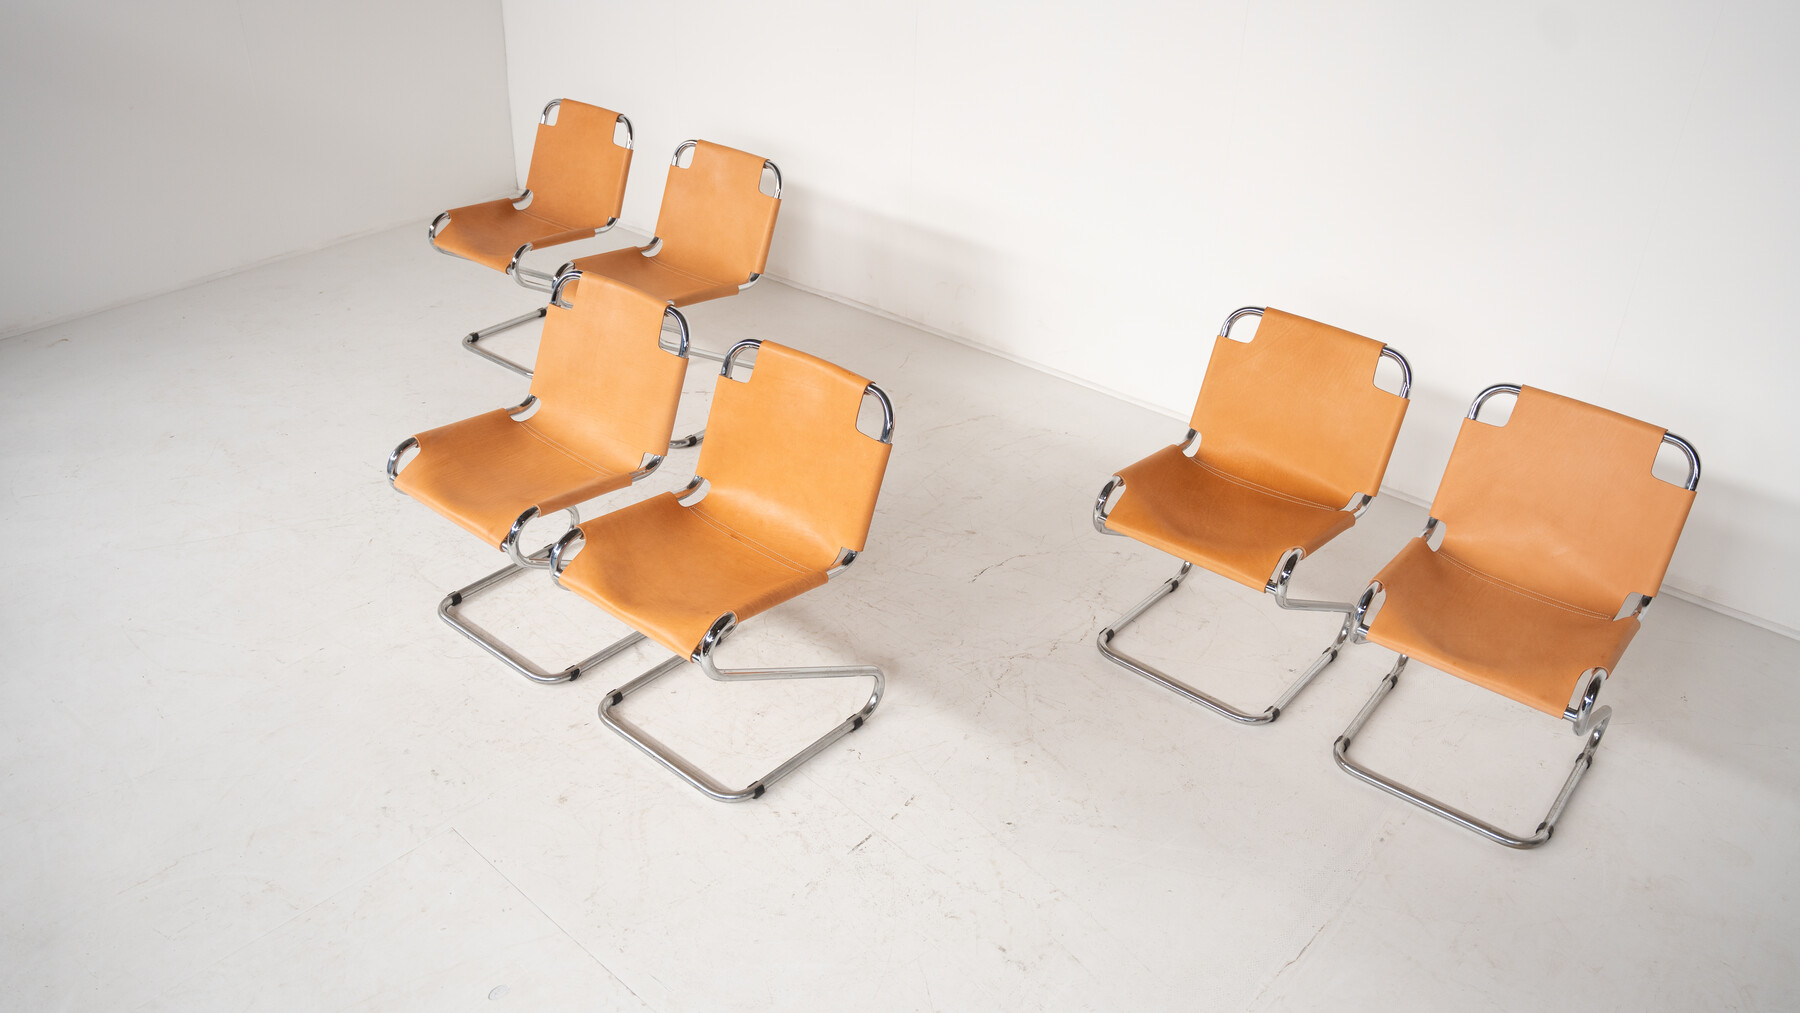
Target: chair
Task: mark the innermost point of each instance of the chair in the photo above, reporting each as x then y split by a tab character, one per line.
789	489
1287	445
575	190
712	234
600	412
1547	539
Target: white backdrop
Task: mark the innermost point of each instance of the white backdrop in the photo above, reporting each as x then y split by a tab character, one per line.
1597	199
147	146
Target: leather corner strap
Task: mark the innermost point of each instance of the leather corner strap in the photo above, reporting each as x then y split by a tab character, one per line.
606	395
577	183
791	482
715	225
1292	432
1552	521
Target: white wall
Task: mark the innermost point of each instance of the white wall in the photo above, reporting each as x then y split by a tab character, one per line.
145	146
1598	199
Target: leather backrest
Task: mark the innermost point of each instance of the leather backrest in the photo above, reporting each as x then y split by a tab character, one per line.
1296	410
715	223
577	176
607	390
1561	502
787	466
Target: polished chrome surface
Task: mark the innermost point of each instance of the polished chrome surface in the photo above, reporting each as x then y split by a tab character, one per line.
730	357
1405	369
528	278
675	159
1482	398
563	278
549	107
1693	456
887	411
393	462
630	134
1268	714
776	169
1580	711
754	278
450	611
471	340
1341	753
703	656
1247	311
682	344
1101	509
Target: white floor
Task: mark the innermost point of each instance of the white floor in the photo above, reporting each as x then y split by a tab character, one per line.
244	766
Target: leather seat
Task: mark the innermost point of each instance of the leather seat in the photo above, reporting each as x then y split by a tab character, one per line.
1451	616
606	396
715	227
577	184
791	484
1234	528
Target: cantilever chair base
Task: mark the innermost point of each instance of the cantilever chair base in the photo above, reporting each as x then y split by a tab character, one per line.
1596	727
693	775
449	611
1278	585
470	340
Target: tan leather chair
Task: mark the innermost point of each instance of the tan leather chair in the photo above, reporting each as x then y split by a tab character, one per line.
574	190
599	416
788	492
1287	445
1548	537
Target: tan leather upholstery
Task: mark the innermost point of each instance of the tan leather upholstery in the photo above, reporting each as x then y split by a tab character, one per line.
1550	522
715	226
1291	427
1189	509
577	184
792	482
606	396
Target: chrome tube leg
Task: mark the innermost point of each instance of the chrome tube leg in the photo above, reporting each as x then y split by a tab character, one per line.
1161	678
449	611
470	340
700	779
1583	761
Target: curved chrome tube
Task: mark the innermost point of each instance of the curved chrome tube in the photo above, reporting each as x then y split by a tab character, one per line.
1693	457
887	411
675	159
563	278
1247	311
630	134
549	107
732	353
1113	484
557	563
681	325
393	465
1405	369
1482	398
1581	712
776	169
437	226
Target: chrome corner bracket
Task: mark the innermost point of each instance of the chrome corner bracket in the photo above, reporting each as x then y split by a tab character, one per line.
703	656
1589	722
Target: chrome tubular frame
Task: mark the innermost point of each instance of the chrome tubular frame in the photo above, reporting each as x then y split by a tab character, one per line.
703	656
1590	723
1278	584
